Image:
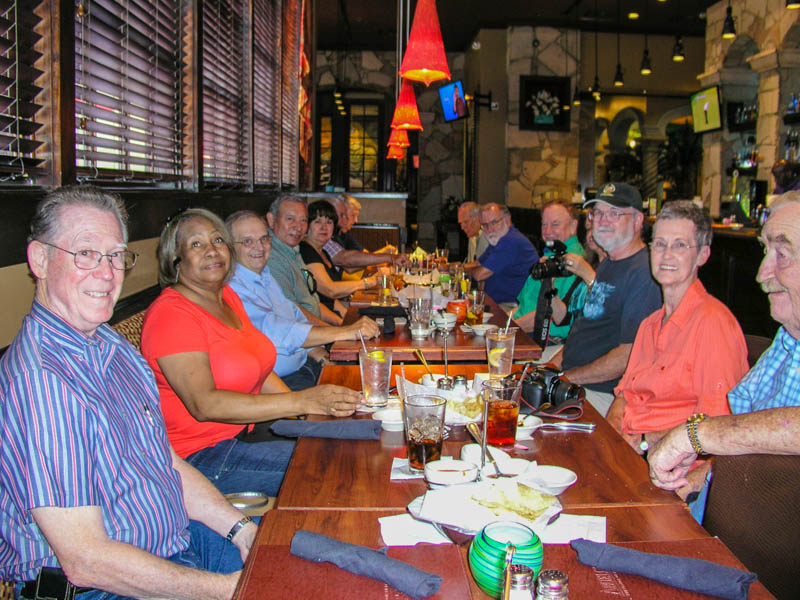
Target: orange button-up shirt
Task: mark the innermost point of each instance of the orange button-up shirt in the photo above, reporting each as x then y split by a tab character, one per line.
684	366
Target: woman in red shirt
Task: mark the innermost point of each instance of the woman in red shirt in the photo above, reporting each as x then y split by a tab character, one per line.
214	369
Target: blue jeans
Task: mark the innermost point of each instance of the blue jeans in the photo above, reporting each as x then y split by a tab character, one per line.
305	377
235	466
207	550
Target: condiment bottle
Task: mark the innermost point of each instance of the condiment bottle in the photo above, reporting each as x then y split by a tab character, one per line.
552	585
521	583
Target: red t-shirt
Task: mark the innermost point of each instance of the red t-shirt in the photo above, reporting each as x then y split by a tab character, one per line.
240	361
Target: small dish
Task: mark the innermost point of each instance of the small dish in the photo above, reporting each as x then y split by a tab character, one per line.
445	320
527	425
550	478
429	381
420	333
481	329
450	471
487	317
391	418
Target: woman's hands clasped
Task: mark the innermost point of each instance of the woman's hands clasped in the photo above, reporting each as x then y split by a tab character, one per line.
333	400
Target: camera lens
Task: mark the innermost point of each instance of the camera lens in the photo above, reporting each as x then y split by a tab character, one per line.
552	267
562	391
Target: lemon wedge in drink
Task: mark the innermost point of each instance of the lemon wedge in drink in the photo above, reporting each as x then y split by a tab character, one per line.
377	355
495	354
471	315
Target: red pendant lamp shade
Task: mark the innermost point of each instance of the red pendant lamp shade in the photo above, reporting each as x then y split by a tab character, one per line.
395	153
406	115
398	137
424	59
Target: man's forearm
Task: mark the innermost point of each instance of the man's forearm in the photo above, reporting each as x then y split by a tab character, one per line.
312	318
609	366
357	258
771	431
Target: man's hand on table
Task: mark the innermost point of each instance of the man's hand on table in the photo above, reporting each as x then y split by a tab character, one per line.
333	400
244	539
670	460
367	327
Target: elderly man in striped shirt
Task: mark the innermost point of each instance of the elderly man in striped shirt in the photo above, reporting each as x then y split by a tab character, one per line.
94	500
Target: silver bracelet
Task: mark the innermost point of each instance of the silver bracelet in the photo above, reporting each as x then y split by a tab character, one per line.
237	526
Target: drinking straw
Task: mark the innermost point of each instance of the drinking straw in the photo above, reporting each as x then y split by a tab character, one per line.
508	321
402	381
518	389
363	344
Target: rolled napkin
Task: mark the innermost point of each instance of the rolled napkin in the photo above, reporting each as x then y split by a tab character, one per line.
383	311
694	575
346	429
365	561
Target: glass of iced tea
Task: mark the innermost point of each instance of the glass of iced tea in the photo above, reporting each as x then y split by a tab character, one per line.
502	413
398	281
475	302
424	421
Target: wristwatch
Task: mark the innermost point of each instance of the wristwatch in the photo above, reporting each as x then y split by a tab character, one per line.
691	431
643	445
237	526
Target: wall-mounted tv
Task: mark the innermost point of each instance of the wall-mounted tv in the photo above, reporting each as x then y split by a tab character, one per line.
706	112
454	104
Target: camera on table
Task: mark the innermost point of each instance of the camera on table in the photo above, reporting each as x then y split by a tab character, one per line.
553	266
544	385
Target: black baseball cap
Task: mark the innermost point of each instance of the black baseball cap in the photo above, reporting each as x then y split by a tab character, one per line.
620	195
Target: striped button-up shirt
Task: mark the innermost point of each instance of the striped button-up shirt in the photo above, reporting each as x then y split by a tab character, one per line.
82	426
773	382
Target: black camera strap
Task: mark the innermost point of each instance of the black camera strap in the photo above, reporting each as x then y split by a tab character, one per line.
544	313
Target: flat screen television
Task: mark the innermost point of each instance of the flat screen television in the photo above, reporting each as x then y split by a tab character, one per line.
454	104
706	112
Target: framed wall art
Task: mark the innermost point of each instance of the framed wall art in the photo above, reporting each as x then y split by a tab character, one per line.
541	102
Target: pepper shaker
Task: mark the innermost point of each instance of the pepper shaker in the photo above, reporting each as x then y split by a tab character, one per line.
552	585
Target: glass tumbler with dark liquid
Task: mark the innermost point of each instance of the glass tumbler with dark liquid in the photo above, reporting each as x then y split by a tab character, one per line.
424	423
502	414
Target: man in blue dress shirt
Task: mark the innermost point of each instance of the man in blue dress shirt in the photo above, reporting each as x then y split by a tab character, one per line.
298	338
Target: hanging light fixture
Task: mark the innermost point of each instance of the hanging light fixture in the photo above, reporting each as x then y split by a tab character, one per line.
618	79
406	114
596	86
566	105
678	54
633	15
792	4
395	153
728	28
645	68
425	59
398	137
576	97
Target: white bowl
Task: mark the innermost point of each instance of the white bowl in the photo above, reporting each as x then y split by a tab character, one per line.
487	316
445	320
391	418
482	328
420	333
450	471
550	478
527	426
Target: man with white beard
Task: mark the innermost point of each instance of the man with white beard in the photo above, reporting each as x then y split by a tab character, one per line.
621	296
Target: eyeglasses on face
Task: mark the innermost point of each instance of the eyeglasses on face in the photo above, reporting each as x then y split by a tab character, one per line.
87	260
311	283
677	247
492	224
251	242
612	216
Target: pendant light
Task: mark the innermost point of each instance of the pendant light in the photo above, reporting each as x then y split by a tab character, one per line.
398	137
566	105
618	79
596	86
678	54
645	68
728	28
406	114
395	153
425	59
792	4
576	97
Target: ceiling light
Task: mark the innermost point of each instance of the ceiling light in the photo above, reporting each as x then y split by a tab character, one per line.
792	4
425	59
576	97
596	89
398	137
678	54
633	15
337	94
395	153
406	113
645	68
618	80
728	28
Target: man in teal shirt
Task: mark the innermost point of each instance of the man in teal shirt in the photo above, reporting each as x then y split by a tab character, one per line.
559	222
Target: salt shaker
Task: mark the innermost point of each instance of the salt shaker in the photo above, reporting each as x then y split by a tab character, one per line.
552	585
521	583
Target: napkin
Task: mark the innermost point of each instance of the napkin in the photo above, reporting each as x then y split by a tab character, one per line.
365	561
571	527
699	576
401	471
346	429
383	311
405	530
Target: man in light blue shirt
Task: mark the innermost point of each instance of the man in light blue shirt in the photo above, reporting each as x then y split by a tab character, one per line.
298	338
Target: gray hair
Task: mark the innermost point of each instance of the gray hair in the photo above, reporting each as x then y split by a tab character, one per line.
241	215
501	207
275	207
473	208
169	250
686	209
47	218
785	198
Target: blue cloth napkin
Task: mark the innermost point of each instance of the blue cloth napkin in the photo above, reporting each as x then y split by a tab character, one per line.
365	561
690	574
344	429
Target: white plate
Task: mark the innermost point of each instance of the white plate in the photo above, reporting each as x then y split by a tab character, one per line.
391	418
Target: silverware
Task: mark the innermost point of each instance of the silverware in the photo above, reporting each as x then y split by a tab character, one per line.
424	362
568	426
554	518
446	382
510	549
476	434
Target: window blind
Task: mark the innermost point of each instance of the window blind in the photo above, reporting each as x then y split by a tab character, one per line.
290	82
20	96
266	91
128	89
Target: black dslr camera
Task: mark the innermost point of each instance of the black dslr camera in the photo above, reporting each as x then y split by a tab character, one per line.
554	266
543	385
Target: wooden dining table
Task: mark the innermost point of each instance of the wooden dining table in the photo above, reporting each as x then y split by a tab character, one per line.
462	345
341	488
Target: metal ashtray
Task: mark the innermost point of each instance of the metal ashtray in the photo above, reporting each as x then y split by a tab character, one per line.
247	500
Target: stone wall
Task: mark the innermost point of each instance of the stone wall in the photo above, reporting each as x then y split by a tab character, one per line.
541	164
440	172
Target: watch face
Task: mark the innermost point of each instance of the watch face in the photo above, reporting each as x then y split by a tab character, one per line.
643	445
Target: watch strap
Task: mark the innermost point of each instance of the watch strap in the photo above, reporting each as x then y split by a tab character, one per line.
691	431
237	526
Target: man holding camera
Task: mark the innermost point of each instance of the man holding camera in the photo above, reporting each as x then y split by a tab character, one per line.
559	223
622	294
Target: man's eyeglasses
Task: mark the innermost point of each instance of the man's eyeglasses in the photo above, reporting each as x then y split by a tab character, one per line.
87	260
251	242
493	223
311	283
677	247
612	216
